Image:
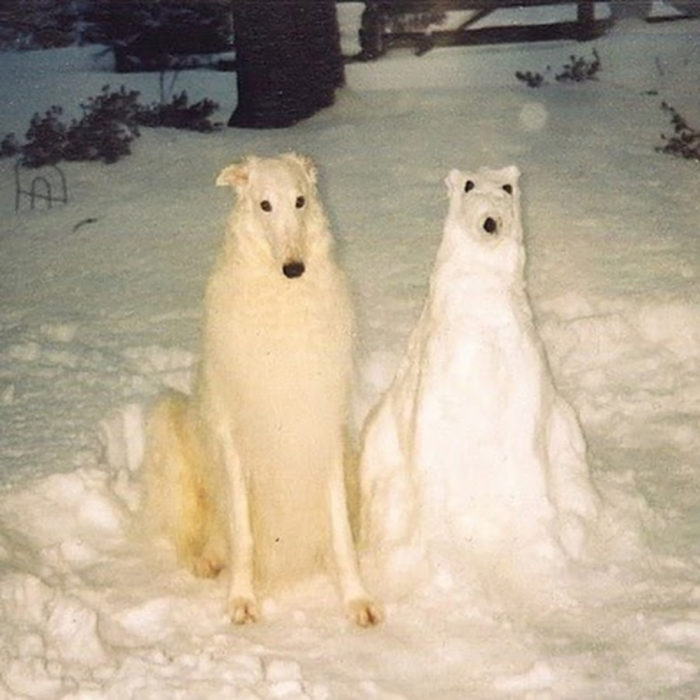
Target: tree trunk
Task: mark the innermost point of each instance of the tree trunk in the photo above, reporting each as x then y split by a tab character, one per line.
288	60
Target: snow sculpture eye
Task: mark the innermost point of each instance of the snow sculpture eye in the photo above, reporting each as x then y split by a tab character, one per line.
469	185
301	201
265	205
508	189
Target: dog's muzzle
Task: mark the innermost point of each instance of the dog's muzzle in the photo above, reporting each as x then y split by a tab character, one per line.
293	269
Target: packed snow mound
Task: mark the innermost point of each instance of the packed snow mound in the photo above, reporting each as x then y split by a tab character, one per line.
473	450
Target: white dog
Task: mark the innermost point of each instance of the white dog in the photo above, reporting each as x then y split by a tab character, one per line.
249	472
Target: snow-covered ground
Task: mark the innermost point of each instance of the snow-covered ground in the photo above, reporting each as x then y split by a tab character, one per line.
99	309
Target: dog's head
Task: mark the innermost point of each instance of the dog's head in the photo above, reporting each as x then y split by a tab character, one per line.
484	221
277	209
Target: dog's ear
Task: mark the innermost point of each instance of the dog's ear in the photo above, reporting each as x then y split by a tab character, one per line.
234	175
305	162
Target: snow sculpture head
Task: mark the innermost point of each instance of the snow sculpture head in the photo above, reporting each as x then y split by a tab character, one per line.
483	227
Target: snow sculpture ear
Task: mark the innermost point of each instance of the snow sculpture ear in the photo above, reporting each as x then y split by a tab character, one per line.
454	180
235	175
306	164
510	176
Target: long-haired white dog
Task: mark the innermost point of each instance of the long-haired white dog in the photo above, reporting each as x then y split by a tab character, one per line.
249	472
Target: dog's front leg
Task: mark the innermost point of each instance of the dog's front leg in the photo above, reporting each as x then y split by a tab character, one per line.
359	606
242	606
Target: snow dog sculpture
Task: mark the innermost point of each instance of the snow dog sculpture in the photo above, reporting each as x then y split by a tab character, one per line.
248	472
472	448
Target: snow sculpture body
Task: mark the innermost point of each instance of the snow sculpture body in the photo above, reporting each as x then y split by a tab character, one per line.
472	449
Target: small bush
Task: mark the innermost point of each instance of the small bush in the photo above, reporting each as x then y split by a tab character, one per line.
179	114
685	141
121	106
533	80
577	70
106	129
580	69
98	139
46	139
109	124
9	146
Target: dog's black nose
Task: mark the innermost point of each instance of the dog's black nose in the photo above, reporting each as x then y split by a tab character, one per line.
293	269
490	225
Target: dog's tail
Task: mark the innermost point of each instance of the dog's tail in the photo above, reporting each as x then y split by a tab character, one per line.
175	502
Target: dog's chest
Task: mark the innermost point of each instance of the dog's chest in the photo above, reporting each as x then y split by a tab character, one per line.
274	325
289	339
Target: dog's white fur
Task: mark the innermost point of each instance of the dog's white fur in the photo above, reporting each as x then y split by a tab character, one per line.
249	472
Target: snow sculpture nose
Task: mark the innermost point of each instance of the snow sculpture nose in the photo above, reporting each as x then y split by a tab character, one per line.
293	268
490	225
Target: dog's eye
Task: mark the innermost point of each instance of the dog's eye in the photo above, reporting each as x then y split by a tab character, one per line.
300	202
508	189
265	205
469	185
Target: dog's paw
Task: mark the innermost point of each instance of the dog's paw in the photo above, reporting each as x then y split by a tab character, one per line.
364	612
243	611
